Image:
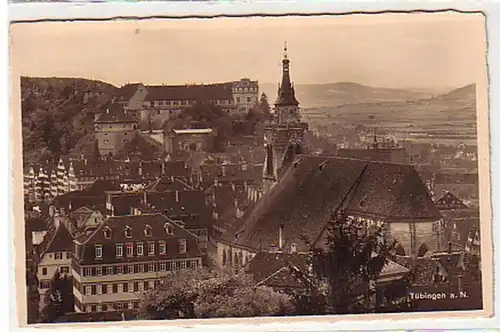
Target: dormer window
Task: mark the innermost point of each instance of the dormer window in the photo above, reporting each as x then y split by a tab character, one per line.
169	229
128	232
107	233
147	231
182	246
98	251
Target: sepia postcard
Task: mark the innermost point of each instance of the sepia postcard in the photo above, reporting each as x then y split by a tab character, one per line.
274	168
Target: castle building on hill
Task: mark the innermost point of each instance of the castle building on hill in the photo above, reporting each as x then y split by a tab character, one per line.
157	103
114	129
283	139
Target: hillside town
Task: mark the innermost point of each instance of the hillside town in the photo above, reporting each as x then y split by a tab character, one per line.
173	179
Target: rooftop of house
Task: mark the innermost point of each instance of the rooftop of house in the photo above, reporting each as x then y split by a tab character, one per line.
136	228
218	91
57	239
114	113
450	202
313	187
127	91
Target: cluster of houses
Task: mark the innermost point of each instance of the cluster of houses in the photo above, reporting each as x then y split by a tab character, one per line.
117	226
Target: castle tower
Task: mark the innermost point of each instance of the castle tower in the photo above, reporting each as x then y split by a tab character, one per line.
283	139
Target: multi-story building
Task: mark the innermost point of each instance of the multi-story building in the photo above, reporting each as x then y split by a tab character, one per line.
126	256
157	103
42	182
114	129
54	254
180	141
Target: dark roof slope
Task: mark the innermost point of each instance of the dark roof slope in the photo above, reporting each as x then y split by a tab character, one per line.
450	202
189	92
138	224
265	264
114	113
56	240
315	186
127	91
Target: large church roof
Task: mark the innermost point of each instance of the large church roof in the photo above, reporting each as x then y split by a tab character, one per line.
314	187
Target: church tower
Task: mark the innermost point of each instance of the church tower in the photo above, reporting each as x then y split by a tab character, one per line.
283	139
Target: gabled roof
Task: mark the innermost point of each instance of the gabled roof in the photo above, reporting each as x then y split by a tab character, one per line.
127	91
114	113
313	187
56	240
265	264
137	224
450	202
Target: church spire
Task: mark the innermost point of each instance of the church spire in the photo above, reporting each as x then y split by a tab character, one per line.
286	91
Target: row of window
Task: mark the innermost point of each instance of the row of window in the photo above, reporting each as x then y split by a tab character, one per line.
249	99
148	230
98	271
127	250
124	287
116	306
62	269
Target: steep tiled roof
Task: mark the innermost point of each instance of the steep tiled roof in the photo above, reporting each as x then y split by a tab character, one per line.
189	92
137	224
264	264
56	240
315	186
114	113
127	91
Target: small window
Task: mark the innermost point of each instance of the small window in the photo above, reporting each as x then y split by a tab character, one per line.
104	289
44	271
98	271
107	233
130	268
182	246
163	267
151	267
183	264
141	268
64	269
125	287
136	286
162	247
130	249
147	231
169	229
86	271
140	249
93	289
98	251
115	288
68	255
119	250
58	255
104	307
151	248
119	269
44	284
109	270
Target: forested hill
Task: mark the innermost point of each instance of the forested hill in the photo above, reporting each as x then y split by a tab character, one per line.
57	112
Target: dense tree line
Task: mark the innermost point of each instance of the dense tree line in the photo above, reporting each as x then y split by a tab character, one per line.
55	115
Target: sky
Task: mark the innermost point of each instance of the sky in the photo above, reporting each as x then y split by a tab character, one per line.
389	50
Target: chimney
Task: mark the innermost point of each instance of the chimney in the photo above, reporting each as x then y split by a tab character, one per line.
449	247
132	210
280	234
223	170
145	198
85	161
140	167
177	196
293	248
163	168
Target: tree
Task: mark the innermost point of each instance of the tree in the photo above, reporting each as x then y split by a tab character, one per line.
205	293
264	104
59	298
346	268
